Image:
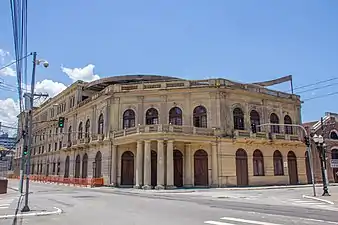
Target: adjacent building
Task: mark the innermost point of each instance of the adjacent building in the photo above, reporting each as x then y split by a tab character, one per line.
7	142
159	132
327	126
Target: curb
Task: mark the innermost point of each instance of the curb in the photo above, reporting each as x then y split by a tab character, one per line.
271	187
318	199
58	211
12	188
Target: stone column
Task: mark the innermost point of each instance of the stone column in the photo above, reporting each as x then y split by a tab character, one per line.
160	165
113	171
214	165
187	165
147	165
170	164
139	164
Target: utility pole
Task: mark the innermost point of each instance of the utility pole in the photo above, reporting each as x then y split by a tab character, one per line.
24	136
30	131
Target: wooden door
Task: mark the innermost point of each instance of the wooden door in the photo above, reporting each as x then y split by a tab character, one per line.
153	168
178	168
242	168
201	168
292	168
127	168
308	169
85	166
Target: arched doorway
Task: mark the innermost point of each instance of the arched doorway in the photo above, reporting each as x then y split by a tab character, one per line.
127	168
153	168
292	168
66	175
201	168
307	167
77	166
178	168
85	166
334	157
98	165
242	168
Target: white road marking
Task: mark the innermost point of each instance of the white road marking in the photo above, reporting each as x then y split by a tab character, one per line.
318	199
248	221
58	211
4	205
218	223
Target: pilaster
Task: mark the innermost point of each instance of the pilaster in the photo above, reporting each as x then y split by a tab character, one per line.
160	164
147	165
139	164
170	164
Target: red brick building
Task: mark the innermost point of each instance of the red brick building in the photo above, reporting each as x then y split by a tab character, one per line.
328	128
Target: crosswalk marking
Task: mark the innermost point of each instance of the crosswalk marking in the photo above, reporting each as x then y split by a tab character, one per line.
237	220
6	202
217	223
248	221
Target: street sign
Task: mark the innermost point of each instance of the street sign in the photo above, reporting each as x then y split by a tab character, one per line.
334	163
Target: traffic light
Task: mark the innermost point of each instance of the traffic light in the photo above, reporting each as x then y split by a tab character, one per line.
307	141
253	128
61	122
25	150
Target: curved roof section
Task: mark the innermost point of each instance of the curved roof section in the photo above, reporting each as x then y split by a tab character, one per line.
98	85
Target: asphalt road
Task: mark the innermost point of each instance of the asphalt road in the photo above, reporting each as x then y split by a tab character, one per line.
108	206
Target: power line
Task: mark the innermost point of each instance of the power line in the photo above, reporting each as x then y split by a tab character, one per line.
321	96
317	88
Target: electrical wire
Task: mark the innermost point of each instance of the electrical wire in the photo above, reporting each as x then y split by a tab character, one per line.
316	83
317	88
320	96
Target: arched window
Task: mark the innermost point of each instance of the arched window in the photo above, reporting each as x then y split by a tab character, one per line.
333	135
238	119
255	119
100	124
87	128
274	119
278	163
80	131
258	163
200	117
128	119
70	135
175	116
151	116
287	120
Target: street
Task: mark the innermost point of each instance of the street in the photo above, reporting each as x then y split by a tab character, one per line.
126	207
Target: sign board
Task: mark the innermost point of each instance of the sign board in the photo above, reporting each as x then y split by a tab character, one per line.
285	164
334	163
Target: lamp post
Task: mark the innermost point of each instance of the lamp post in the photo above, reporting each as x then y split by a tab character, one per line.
321	147
29	124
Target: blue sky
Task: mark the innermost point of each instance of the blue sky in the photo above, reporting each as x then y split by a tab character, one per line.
242	40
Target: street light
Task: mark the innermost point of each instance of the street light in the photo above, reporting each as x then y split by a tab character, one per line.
321	147
29	125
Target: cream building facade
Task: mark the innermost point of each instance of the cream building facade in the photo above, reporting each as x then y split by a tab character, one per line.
163	132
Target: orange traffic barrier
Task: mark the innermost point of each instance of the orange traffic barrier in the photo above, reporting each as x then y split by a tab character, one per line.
92	182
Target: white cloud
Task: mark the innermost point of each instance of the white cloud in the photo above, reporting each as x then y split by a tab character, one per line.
8	113
5	59
52	88
86	73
